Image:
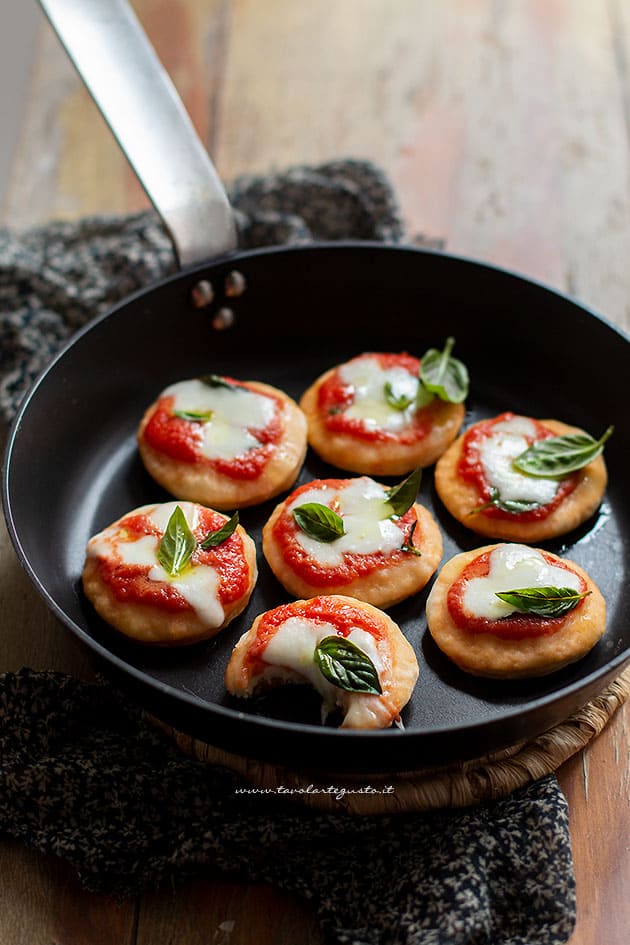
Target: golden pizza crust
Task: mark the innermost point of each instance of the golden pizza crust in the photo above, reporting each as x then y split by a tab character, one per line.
398	676
200	482
146	623
485	654
384	587
384	458
461	497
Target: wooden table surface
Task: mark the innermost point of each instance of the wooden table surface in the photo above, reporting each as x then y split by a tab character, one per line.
505	129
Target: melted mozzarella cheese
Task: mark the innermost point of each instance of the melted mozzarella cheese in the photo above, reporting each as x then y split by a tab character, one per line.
498	451
361	505
513	567
368	379
234	412
198	584
293	647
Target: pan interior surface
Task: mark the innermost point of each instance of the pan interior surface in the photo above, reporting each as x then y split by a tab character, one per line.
72	468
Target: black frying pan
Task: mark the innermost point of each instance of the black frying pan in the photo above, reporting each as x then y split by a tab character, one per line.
72	467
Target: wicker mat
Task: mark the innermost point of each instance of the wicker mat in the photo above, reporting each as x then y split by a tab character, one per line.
459	785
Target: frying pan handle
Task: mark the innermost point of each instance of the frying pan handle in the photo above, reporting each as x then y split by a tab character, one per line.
113	56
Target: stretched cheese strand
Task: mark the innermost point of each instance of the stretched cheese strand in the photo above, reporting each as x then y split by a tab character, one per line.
198	584
361	505
368	380
497	452
512	567
293	647
234	412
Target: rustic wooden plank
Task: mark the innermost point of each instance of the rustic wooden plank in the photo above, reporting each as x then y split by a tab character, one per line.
67	163
334	80
593	172
504	127
597	786
595	123
41	903
225	913
500	124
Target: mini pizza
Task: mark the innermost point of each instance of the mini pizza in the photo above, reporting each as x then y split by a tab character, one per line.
222	442
354	537
374	415
170	574
479	481
350	652
509	610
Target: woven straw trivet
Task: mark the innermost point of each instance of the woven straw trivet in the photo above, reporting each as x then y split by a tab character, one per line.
458	785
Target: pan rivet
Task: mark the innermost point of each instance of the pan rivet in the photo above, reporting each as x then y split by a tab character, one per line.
223	319
202	294
235	284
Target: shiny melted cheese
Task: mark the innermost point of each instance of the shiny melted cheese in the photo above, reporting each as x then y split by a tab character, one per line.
513	567
234	413
361	505
368	379
497	452
293	647
198	584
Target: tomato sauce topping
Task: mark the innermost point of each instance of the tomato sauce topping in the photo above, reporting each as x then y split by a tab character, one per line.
470	469
514	627
130	582
344	618
181	439
354	565
335	396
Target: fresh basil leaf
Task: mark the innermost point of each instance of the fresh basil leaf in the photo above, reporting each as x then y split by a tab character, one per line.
560	455
543	601
515	506
318	521
196	416
444	375
346	665
397	401
409	545
177	545
400	498
423	396
213	539
214	380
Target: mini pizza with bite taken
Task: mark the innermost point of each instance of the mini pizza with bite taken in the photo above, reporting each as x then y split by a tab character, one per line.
382	414
354	537
354	655
170	574
222	442
519	479
509	610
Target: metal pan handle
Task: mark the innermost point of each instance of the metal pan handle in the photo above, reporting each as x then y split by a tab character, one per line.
113	56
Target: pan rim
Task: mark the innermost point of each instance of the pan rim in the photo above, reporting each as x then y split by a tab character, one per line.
235	715
191	700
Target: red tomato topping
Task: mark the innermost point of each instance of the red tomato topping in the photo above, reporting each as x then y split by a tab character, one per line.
354	565
471	470
516	626
343	617
181	439
335	396
130	583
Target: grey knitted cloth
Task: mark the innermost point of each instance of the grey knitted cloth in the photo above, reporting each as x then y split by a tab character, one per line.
55	278
83	776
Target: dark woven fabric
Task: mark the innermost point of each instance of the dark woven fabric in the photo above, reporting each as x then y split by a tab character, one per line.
82	776
55	278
